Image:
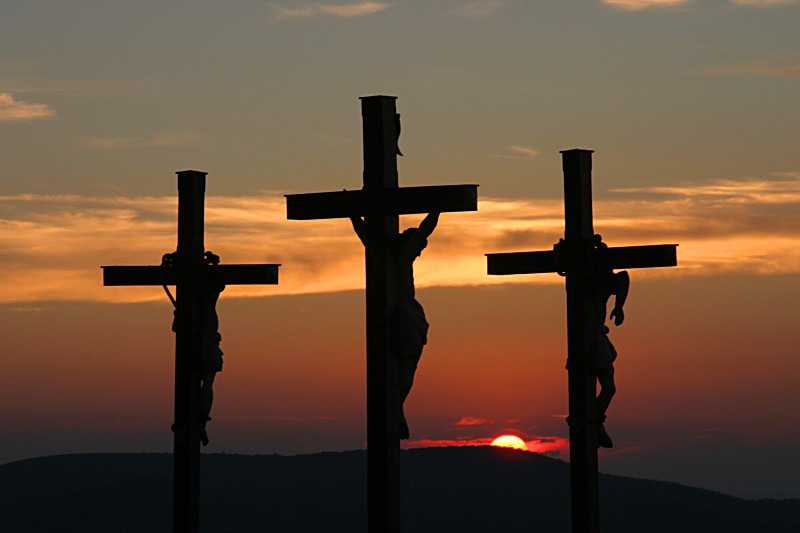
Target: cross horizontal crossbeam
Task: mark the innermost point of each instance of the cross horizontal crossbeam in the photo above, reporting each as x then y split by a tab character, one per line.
158	275
657	255
390	201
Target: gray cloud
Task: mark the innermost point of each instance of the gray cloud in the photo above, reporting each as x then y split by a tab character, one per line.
478	9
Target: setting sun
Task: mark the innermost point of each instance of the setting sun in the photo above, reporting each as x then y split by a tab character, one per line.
510	441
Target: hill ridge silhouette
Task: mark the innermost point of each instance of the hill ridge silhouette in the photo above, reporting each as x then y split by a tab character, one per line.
460	489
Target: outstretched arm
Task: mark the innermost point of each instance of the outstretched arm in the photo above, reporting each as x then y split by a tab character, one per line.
428	225
622	283
417	242
360	227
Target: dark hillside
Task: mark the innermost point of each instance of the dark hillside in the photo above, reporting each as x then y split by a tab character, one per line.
444	489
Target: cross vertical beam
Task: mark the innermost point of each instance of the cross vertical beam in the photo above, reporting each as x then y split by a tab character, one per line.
575	259
188	408
383	441
577	165
380	201
192	275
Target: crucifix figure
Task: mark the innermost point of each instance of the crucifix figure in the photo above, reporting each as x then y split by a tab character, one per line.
210	352
199	279
412	326
605	283
396	325
588	265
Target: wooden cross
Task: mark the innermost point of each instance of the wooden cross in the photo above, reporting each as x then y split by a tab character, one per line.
190	273
380	202
573	257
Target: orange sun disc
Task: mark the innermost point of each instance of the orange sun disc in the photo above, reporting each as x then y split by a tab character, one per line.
510	441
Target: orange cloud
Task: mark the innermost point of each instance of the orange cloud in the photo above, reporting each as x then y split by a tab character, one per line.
473	421
765	3
342	11
442	443
638	5
553	446
524	150
791	71
164	139
53	245
12	110
354	10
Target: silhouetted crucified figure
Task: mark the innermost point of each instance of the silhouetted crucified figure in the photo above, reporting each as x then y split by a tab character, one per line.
198	279
377	207
606	283
210	338
211	355
412	327
588	266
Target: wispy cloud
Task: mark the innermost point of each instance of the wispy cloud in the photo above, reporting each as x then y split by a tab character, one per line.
442	443
722	225
638	5
747	226
765	2
281	13
12	110
517	151
784	188
336	10
524	150
354	10
473	421
164	139
478	9
791	71
246	418
552	446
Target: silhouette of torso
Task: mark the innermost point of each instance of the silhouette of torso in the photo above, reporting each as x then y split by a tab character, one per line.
413	326
212	354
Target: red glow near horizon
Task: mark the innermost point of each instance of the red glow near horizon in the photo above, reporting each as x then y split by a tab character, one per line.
547	445
445	443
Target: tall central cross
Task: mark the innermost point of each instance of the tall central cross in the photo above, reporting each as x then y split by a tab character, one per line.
574	257
380	202
192	274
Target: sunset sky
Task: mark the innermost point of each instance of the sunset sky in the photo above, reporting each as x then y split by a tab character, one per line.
692	108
